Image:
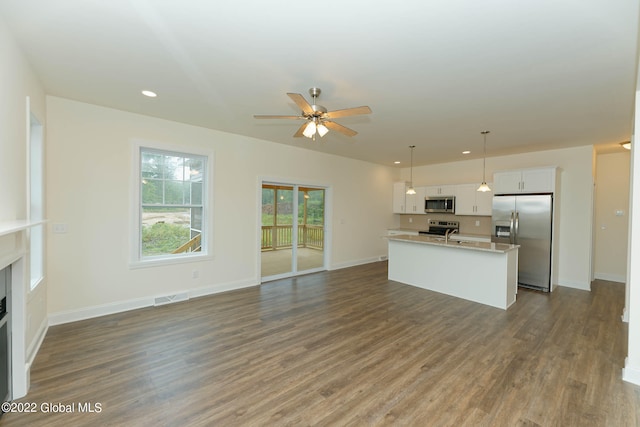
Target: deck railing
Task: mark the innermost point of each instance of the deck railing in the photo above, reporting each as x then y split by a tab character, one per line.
280	236
192	245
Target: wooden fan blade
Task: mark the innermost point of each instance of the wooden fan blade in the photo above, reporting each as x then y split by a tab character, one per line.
347	112
300	130
339	128
301	102
277	117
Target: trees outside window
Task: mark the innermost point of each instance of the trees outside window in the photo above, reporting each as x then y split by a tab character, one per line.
172	203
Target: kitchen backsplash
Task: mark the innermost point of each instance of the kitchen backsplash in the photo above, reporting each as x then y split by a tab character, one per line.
467	222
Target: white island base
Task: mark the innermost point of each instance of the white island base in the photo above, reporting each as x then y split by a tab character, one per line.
481	272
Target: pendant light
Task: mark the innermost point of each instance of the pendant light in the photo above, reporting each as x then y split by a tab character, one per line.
484	187
411	190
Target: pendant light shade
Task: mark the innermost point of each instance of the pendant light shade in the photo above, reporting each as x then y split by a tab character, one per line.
313	127
411	190
310	130
322	130
484	187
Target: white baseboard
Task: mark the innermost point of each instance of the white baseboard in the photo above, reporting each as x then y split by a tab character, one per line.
122	306
357	262
610	277
584	286
34	346
224	287
631	374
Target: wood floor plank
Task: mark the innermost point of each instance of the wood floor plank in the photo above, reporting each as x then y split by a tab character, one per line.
345	347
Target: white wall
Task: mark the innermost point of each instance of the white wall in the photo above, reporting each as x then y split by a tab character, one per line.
88	175
631	371
611	229
574	201
17	82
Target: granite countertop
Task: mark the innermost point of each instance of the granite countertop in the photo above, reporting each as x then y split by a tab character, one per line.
457	236
461	244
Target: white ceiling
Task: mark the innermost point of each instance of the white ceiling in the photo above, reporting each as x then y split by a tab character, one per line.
539	74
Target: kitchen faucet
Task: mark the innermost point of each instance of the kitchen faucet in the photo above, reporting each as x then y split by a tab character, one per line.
448	233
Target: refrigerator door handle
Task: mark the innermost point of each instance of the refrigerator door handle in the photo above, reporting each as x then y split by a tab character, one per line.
511	228
516	227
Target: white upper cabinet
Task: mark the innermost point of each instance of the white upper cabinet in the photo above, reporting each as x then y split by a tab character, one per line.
484	202
540	180
440	190
415	202
470	201
399	197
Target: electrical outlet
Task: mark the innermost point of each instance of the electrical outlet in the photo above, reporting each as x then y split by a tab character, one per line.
410	219
477	223
60	228
195	274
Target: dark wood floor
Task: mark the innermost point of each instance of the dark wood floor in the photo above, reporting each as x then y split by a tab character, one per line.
345	347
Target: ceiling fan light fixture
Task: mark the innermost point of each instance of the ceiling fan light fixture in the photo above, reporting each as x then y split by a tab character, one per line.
322	130
318	117
310	130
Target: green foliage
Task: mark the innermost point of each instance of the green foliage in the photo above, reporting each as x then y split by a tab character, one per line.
314	203
162	238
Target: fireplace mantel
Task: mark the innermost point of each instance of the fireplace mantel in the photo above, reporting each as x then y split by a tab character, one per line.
13	252
9	227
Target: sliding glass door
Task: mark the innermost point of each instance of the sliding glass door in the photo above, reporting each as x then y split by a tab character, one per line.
291	213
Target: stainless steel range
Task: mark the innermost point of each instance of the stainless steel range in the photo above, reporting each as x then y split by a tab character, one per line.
441	228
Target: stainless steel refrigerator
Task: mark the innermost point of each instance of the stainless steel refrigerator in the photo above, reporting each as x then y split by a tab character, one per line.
526	220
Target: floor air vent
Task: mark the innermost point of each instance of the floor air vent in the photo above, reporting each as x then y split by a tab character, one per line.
168	299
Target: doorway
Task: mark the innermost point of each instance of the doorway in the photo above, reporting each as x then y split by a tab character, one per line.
291	213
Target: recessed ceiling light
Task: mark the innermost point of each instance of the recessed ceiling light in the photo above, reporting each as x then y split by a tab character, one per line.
397	162
149	93
466	152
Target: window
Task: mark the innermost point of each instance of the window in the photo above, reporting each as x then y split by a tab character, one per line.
172	204
36	201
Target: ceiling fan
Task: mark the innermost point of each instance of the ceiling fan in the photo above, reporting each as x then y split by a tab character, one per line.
318	120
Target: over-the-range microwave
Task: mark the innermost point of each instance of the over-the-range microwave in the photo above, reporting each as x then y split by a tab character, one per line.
440	204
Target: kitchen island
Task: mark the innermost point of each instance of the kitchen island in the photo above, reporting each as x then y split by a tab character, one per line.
477	271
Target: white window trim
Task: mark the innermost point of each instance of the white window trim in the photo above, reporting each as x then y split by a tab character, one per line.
38	216
135	258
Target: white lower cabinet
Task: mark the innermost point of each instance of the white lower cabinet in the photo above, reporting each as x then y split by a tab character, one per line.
469	201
